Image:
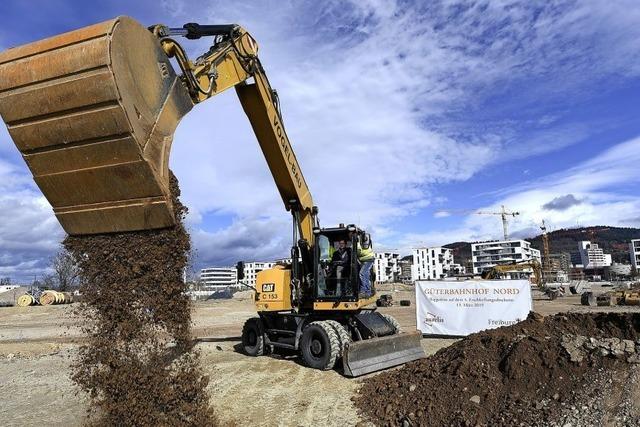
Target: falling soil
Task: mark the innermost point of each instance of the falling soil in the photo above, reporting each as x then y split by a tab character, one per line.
526	374
139	366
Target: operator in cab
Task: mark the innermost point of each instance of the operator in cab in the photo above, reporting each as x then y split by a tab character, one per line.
341	264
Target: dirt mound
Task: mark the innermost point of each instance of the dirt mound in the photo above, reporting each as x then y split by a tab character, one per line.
12	295
139	366
525	373
244	295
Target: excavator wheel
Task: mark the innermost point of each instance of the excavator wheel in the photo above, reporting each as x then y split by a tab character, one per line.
343	335
320	345
393	322
253	337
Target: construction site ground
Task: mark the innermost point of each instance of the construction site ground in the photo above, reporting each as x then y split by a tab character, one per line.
37	343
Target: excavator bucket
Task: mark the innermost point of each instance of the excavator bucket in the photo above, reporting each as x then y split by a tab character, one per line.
363	357
93	113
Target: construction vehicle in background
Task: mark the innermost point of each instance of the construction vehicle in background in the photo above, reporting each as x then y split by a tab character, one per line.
552	273
93	113
500	270
628	297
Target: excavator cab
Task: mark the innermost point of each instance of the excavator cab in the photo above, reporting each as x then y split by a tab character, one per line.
334	280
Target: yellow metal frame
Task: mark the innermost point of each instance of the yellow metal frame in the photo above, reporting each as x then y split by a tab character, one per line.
343	305
231	64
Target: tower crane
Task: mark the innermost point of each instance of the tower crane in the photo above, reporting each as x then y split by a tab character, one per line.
504	213
546	265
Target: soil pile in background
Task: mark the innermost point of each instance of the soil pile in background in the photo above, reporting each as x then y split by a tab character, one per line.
139	366
530	373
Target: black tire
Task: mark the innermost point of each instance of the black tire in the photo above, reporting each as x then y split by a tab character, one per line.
552	294
588	299
253	337
320	346
393	322
405	303
344	337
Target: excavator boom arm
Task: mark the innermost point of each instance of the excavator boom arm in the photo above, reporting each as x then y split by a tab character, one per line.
231	62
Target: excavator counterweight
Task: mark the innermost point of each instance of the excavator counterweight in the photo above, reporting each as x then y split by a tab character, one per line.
93	113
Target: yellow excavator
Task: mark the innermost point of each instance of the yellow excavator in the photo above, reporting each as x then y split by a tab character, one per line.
93	113
498	271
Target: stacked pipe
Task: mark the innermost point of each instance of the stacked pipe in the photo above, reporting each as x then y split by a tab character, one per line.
51	297
26	300
48	297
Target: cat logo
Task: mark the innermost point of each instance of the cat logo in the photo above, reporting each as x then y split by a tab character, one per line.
268	287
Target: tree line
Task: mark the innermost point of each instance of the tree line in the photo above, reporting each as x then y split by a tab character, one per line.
64	275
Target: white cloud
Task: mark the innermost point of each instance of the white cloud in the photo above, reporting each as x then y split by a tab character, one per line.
441	214
248	240
29	233
592	183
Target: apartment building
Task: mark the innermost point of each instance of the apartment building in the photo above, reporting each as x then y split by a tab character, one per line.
591	256
251	270
218	277
387	267
485	255
432	263
634	251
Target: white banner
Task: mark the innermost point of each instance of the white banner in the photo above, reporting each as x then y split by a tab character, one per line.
465	307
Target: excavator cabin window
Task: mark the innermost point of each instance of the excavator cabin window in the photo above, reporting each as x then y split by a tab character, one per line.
336	267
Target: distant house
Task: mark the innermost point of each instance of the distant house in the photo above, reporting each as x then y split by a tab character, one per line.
634	252
387	267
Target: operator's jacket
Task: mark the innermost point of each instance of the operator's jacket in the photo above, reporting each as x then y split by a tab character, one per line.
341	259
365	255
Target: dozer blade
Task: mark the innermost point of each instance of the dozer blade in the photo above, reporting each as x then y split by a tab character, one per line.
93	113
363	357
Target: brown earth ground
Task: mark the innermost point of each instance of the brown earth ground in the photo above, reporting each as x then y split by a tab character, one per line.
36	344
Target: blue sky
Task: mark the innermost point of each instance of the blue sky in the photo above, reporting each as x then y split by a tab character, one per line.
441	108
